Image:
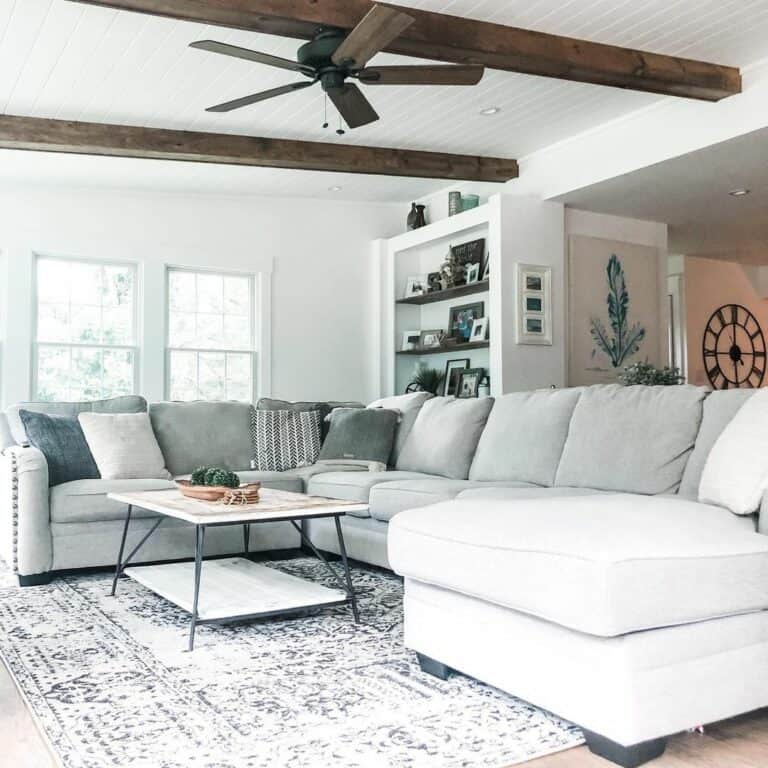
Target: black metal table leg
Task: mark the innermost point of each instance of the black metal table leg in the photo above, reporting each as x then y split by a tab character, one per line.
246	538
347	575
119	566
199	544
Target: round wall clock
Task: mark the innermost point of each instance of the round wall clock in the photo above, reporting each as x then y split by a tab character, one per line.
734	348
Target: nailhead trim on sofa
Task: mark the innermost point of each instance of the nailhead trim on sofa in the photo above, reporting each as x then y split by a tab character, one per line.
14	508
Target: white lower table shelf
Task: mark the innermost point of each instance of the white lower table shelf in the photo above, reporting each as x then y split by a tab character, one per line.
234	588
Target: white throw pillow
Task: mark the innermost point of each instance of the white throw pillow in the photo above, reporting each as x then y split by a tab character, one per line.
124	446
735	475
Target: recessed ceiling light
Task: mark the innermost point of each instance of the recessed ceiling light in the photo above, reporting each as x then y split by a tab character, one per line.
488	111
334	189
739	192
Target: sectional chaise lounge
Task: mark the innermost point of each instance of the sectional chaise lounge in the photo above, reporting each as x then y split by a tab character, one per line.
552	544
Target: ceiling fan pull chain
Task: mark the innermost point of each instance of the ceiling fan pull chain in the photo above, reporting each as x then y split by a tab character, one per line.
325	110
340	130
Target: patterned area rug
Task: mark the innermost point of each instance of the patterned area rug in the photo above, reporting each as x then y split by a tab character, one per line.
110	683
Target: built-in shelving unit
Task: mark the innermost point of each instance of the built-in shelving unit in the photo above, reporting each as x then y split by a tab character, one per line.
449	293
470	345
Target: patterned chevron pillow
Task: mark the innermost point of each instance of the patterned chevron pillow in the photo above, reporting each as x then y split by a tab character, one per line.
285	439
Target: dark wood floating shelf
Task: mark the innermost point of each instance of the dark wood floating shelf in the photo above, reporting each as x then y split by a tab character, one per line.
448	293
442	350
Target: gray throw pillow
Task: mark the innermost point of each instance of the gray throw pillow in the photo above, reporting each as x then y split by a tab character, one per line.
269	404
284	440
61	440
360	434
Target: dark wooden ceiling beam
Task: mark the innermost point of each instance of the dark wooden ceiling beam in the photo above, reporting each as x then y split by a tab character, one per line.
31	133
465	41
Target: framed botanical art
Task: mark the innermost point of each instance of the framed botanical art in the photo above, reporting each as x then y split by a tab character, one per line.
534	305
614	306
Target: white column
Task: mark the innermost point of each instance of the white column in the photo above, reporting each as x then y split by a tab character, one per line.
152	330
18	310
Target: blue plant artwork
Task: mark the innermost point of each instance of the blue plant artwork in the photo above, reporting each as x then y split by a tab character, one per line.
623	341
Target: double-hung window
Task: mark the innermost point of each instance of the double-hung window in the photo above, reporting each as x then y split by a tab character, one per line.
86	329
210	336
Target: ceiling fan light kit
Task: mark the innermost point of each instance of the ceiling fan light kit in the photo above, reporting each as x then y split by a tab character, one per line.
332	57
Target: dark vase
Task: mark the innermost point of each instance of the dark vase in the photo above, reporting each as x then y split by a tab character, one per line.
416	218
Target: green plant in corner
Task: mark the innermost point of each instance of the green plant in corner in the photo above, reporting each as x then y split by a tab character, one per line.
427	379
625	340
645	373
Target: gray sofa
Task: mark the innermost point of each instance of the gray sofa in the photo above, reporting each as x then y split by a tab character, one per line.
551	544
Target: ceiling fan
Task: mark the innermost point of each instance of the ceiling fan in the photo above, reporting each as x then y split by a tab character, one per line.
334	56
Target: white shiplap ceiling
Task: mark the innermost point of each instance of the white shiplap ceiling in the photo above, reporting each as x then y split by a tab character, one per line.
64	60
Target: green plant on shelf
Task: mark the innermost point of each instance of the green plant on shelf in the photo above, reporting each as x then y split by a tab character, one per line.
427	379
215	476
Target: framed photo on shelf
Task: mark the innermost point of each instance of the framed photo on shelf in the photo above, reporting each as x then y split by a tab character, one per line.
469	382
479	330
415	285
473	273
431	339
487	268
410	340
460	320
453	370
434	282
534	305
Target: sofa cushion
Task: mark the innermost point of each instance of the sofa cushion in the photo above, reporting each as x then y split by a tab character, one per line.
196	434
736	473
360	434
125	404
524	436
444	437
387	499
635	439
606	565
85	501
719	408
61	440
497	493
354	486
270	404
408	406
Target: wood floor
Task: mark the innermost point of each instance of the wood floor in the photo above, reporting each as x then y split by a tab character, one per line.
738	743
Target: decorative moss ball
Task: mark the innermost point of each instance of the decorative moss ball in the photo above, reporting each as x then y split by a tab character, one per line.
215	476
198	476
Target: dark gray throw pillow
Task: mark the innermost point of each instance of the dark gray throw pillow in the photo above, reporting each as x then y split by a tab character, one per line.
360	434
61	440
269	404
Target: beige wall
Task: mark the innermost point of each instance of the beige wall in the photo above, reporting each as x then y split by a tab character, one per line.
710	283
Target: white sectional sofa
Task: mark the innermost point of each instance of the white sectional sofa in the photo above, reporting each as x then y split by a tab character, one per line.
552	544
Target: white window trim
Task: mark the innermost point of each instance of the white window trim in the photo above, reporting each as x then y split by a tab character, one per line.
254	282
36	344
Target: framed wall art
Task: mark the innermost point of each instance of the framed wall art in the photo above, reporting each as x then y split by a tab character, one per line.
534	305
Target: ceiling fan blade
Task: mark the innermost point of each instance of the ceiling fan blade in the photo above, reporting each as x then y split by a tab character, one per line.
353	106
380	26
228	106
245	53
439	74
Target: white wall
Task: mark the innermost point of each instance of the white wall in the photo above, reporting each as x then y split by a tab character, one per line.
314	254
636	231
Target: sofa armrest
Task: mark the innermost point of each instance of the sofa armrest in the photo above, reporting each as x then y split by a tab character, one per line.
25	524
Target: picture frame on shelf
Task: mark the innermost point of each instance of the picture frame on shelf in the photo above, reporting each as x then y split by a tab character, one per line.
460	319
453	370
479	330
473	273
487	268
434	282
415	285
431	339
469	382
471	252
410	340
534	305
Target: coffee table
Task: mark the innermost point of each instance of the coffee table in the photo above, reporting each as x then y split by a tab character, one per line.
236	589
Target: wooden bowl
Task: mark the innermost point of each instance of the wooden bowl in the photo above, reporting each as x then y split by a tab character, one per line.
201	492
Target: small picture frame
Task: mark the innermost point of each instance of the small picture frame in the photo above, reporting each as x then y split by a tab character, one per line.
469	382
460	319
434	282
473	273
479	330
431	339
415	285
534	305
410	340
453	370
487	268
